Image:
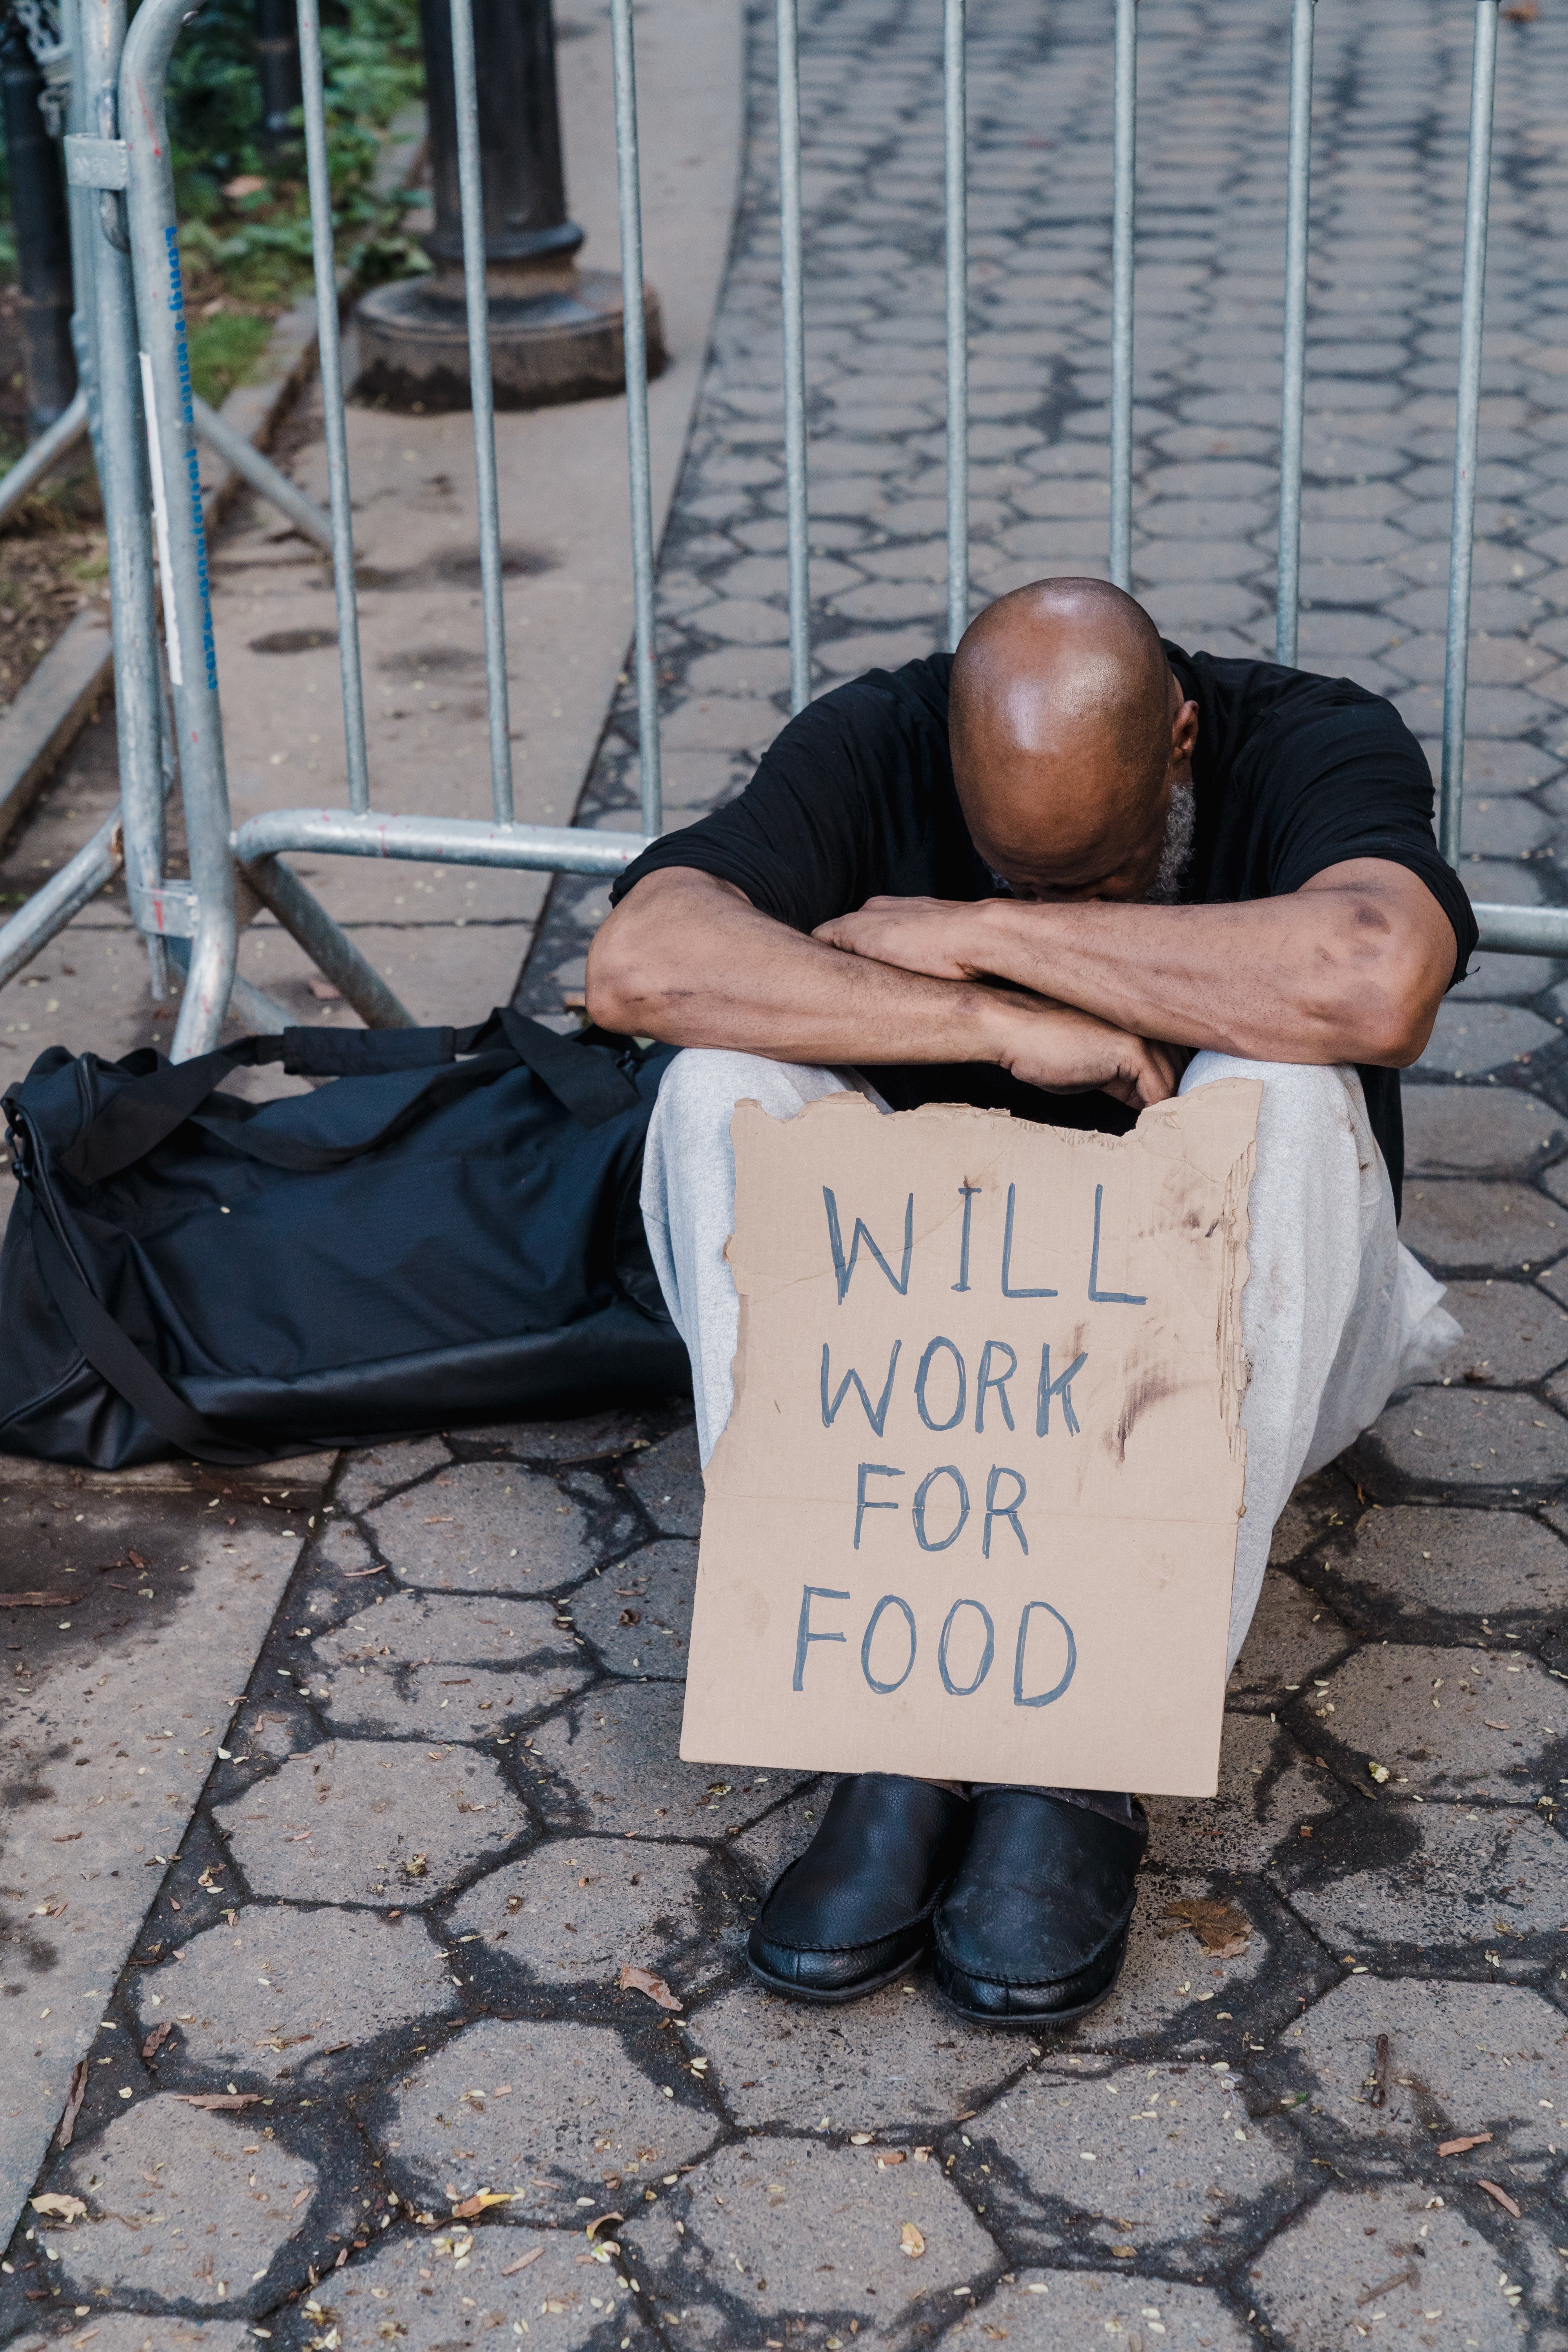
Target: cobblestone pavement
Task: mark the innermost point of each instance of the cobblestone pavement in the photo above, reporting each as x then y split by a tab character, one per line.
1323	2109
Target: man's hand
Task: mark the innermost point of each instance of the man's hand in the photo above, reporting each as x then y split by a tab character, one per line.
937	936
1067	1053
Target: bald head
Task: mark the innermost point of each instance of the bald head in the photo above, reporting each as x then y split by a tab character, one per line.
1066	726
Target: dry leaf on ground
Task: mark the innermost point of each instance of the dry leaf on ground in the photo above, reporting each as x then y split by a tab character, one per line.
1220	1927
156	2039
482	2203
522	2262
58	2208
73	2104
910	2242
634	1979
33	1599
1462	2146
218	2098
1501	2197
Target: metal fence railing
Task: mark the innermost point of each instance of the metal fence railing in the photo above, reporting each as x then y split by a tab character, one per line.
144	423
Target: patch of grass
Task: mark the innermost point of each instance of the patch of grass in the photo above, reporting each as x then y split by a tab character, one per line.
223	349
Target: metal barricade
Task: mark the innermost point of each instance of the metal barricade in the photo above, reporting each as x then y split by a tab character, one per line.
145	422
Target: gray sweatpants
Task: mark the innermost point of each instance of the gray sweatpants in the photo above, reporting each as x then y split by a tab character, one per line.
1336	1314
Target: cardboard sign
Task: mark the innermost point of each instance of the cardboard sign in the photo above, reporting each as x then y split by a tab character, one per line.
974	1512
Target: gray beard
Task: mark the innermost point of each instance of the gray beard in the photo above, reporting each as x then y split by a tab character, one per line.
1176	850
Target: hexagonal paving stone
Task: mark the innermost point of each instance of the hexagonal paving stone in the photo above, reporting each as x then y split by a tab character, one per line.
646	1906
579	2110
1512	1334
1473	1437
454	2287
1433	1887
1394	2258
267	1997
1411	1563
1164	2158
1446	1721
366	1478
613	1765
489	1525
781	2228
1453	1222
638	1614
397	1667
1462	2059
1044	2310
898	2061
1267	1789
668	1483
1292	1636
182	2207
342	1825
1469	1039
1466	1130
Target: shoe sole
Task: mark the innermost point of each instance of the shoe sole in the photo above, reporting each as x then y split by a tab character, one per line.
824	1999
1044	2020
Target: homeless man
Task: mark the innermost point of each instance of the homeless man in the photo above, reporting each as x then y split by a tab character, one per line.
1067	872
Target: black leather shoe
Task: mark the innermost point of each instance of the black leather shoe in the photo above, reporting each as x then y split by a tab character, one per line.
855	1910
1032	1931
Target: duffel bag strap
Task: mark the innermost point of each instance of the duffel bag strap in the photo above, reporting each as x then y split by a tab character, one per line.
146	1112
591	1085
117	1360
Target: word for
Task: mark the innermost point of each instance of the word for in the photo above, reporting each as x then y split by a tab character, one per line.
844	1264
807	1633
941	1367
998	1505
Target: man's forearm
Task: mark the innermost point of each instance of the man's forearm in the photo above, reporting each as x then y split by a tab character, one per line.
694	964
1349	969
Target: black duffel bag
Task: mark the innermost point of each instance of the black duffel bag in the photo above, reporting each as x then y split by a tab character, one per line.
449	1233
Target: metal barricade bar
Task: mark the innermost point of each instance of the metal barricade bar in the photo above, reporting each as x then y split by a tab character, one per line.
1461	546
1123	223
1292	399
793	299
955	174
628	189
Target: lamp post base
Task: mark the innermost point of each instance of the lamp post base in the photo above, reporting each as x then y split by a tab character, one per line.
561	341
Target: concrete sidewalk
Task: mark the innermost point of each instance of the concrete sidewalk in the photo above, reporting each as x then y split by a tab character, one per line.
1321	2108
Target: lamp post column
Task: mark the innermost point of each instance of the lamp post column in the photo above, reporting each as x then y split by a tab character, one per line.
555	328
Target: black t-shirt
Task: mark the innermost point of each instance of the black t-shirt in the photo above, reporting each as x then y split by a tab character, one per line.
1291	773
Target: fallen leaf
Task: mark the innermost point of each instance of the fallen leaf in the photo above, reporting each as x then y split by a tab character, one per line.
910	2242
1463	2146
225	2099
1501	2197
157	2038
73	2104
57	2208
1493	1727
599	2221
300	2199
634	1979
889	2155
33	1599
522	2263
479	2203
1220	1927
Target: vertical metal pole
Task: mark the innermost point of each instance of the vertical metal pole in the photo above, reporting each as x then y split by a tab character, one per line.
1299	169
1124	149
96	29
786	17
629	181
175	469
1462	539
955	142
482	397
335	427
